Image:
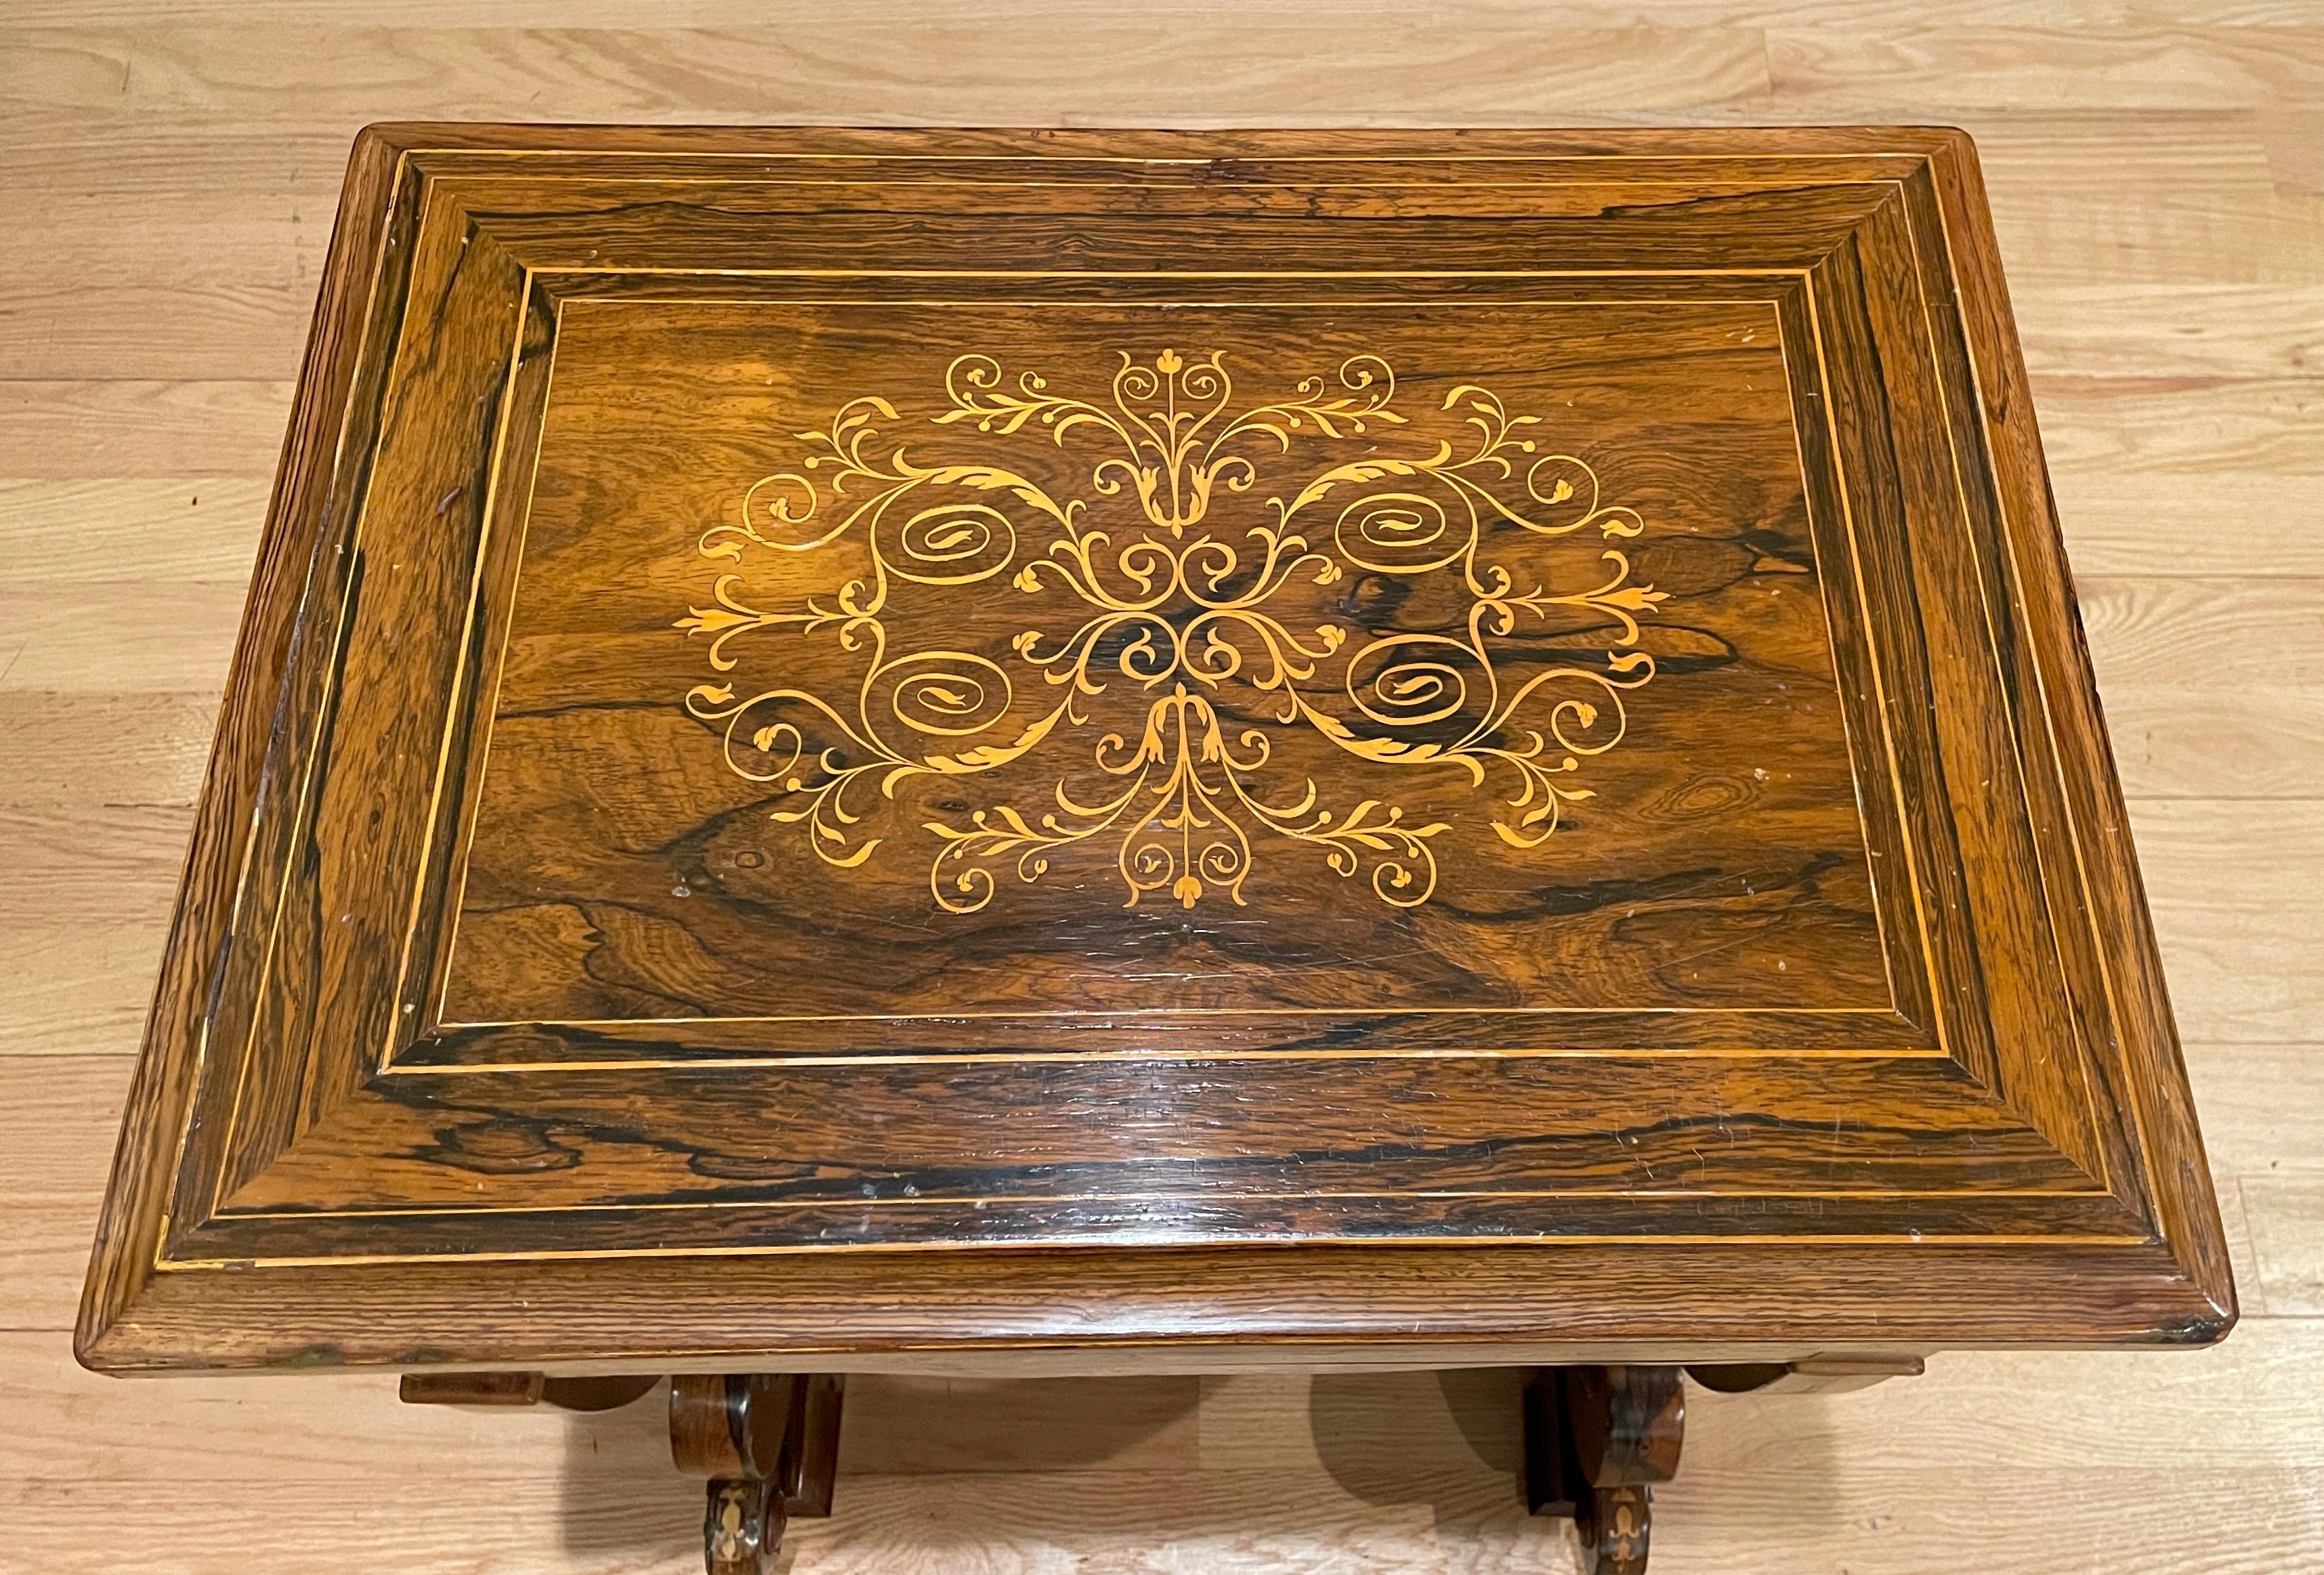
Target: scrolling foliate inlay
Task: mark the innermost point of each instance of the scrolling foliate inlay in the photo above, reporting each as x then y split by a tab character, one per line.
1137	582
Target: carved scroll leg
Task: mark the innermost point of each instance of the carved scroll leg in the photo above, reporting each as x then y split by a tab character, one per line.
1596	1438
741	1527
770	1444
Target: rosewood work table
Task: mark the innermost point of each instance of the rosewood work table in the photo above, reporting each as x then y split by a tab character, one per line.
1025	752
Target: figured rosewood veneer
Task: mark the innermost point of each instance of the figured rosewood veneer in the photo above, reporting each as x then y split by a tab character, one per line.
1042	751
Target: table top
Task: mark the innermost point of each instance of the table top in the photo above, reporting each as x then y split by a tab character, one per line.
922	748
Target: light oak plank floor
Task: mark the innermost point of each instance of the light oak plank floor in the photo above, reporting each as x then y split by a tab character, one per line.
166	174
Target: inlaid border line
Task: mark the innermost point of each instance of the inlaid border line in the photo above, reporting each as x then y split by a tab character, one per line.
1782	347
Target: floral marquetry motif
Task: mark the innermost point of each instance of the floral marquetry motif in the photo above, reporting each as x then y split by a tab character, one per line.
1172	628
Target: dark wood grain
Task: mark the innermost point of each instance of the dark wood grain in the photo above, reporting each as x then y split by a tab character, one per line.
1827	1019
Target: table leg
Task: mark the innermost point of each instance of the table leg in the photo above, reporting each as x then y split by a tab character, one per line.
1596	1438
769	1442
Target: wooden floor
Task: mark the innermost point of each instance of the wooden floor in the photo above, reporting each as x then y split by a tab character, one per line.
167	175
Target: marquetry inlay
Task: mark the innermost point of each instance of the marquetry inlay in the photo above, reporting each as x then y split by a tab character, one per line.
1164	644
